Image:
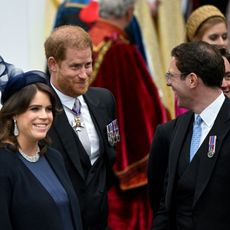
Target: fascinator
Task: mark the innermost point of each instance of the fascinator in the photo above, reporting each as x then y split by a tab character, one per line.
20	81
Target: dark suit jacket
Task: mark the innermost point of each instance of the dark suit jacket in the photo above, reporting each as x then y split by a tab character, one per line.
24	203
158	162
211	202
93	198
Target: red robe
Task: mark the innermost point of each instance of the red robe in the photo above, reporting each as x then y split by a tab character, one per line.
119	67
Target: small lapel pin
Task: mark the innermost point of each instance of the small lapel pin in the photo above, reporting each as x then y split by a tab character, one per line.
211	146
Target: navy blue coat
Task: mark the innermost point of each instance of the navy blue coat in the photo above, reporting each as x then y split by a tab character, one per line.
24	202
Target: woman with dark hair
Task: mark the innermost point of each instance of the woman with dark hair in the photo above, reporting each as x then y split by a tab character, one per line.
35	191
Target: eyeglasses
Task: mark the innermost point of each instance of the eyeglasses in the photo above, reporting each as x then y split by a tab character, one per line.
169	75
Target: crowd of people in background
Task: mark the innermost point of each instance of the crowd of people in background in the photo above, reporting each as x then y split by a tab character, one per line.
102	140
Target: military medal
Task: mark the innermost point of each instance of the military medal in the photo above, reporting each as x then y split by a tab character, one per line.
211	146
113	132
77	123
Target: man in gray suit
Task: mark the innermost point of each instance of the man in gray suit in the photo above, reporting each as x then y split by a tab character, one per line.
196	194
85	131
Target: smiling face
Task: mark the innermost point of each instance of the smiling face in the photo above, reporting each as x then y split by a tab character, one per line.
72	75
35	122
226	80
180	86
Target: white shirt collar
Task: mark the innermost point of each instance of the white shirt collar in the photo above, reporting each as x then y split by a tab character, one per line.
210	113
65	99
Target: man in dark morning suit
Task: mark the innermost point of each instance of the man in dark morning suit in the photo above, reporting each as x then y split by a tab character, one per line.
89	163
196	191
158	162
158	156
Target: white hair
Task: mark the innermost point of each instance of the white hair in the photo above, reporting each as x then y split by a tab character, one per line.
114	8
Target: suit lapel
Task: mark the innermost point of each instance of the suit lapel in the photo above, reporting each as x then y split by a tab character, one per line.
178	139
220	129
69	139
97	112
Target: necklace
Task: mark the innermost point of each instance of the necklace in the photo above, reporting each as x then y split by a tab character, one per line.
34	158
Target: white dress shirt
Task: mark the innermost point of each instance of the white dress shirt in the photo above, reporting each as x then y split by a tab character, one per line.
209	115
68	103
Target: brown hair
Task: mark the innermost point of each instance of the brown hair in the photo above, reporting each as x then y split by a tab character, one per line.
18	103
63	37
199	17
201	30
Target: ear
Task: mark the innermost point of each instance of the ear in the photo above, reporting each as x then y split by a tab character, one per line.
52	64
193	80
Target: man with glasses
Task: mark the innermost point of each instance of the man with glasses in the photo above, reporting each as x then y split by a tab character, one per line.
158	162
196	190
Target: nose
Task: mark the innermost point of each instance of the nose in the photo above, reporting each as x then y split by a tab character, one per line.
222	42
168	81
43	114
224	84
83	73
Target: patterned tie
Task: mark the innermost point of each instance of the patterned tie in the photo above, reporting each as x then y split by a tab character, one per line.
80	127
196	135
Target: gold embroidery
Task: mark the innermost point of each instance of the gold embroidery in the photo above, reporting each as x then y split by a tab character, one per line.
134	175
104	48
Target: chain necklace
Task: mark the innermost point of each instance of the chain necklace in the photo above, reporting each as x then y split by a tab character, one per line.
33	158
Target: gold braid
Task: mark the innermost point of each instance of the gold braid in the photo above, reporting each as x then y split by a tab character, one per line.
105	45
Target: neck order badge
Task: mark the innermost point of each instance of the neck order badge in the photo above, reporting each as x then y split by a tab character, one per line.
77	111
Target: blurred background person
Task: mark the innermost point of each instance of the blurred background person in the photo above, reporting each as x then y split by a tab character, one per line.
71	12
7	70
35	190
208	24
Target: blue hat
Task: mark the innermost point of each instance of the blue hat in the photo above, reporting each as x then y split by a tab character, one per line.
20	81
